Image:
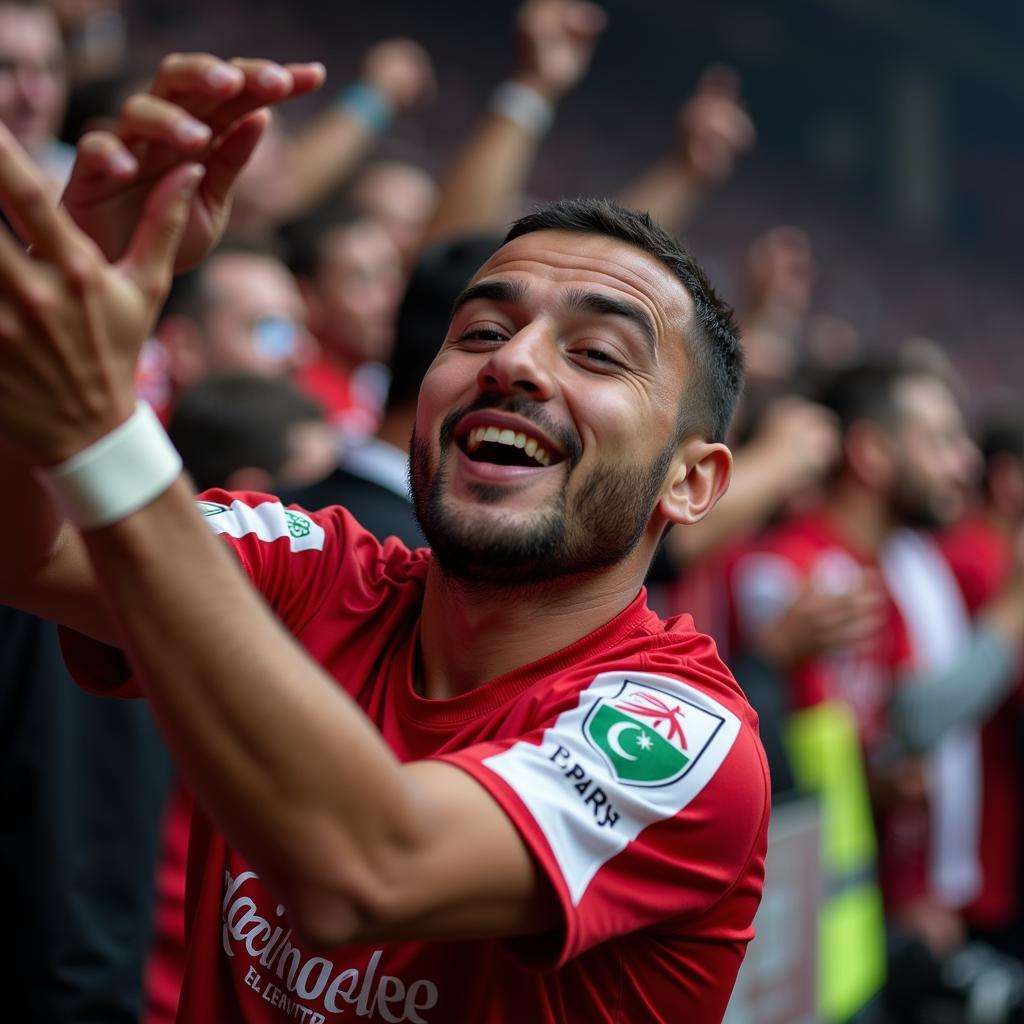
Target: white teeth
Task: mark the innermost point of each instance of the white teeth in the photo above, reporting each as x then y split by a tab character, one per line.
499	435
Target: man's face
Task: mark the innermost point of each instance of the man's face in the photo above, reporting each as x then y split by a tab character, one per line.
256	323
547	423
935	463
32	83
401	198
358	288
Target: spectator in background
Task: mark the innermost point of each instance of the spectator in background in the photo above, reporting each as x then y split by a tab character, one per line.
350	273
372	481
805	601
240	311
33	84
984	551
401	196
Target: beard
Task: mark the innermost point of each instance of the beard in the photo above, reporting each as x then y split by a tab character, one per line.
918	508
599	526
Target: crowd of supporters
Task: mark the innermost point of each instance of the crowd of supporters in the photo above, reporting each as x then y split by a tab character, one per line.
864	575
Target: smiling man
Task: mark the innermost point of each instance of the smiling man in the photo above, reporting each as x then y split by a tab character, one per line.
486	783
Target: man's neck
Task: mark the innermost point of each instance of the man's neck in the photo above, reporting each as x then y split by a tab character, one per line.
859	516
470	635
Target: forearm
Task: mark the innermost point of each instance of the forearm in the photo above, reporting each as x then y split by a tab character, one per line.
927	706
289	768
757	486
479	192
322	155
666	192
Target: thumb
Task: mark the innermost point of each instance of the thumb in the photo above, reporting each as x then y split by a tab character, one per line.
150	257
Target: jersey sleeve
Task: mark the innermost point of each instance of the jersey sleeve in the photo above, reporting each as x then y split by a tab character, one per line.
644	804
293	557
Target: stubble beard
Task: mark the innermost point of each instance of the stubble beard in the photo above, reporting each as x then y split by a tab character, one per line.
598	527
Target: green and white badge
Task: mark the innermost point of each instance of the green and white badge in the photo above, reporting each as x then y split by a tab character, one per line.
647	736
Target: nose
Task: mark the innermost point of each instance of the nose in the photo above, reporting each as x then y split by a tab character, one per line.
521	365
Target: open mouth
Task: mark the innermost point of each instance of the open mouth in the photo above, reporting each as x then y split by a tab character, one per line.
504	447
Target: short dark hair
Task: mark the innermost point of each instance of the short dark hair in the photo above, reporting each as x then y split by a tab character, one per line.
304	238
233	421
442	271
714	347
868	391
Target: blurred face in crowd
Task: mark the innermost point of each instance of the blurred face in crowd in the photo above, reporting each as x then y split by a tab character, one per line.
401	198
356	292
935	462
262	185
32	83
546	426
256	320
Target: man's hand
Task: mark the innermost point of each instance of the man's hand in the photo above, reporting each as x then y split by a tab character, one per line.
72	322
401	70
556	43
713	128
199	109
817	622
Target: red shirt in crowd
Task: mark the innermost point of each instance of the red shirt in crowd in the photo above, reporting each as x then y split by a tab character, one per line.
628	761
982	559
810	550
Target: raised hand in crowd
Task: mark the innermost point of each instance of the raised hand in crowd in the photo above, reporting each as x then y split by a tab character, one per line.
817	622
796	443
199	108
779	282
713	130
556	44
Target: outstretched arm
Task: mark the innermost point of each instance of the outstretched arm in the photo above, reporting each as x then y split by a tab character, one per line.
556	43
354	843
201	111
397	75
712	131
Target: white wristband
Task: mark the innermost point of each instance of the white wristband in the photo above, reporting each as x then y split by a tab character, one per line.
531	111
116	475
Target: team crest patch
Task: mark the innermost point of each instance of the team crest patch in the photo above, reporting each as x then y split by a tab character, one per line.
298	524
210	508
647	736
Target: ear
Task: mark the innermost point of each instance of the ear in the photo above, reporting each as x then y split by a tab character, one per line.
868	452
183	341
699	476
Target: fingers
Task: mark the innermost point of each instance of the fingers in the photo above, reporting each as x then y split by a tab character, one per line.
101	156
149	261
26	197
230	155
221	92
719	80
152	119
197	75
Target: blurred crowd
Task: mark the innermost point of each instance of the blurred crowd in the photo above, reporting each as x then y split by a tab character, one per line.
864	575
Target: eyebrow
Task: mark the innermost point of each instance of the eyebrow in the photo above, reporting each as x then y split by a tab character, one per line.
577	301
512	292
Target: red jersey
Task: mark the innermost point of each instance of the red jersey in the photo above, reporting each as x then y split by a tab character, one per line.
982	559
809	549
629	762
